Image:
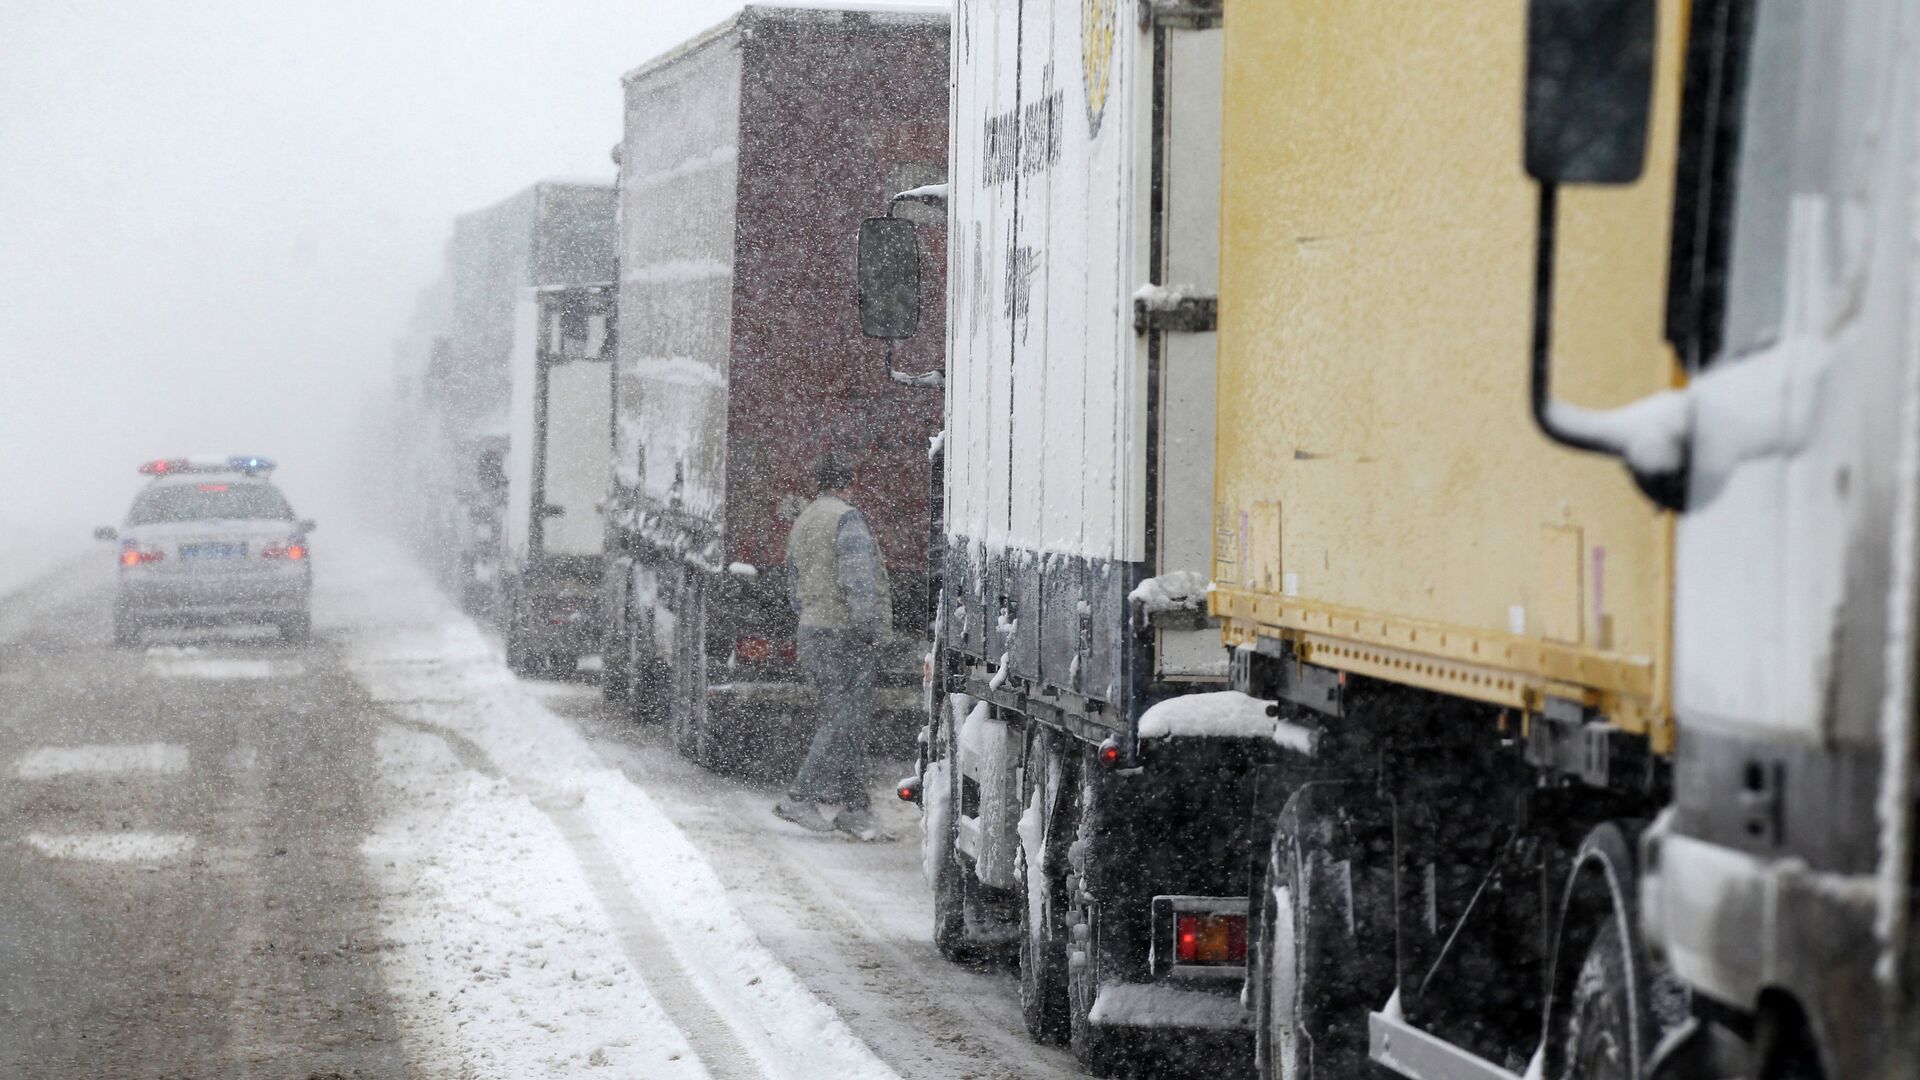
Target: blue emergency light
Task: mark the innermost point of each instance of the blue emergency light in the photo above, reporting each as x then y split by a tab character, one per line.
252	466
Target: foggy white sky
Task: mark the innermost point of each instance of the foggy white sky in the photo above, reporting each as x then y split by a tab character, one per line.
215	214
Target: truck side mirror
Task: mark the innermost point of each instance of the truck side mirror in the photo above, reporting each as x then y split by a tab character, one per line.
889	278
106	532
1589	89
306	525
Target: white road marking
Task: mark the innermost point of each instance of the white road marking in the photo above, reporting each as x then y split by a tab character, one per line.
111	847
187	667
158	759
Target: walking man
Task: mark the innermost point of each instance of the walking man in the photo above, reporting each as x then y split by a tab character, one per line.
846	608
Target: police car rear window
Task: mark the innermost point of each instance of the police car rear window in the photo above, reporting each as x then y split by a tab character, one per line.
211	500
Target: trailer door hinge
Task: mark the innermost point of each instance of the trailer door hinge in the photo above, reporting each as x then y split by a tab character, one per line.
1177	314
1181	14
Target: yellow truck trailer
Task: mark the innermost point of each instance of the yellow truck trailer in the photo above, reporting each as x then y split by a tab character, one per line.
1477	620
1613	772
1384	507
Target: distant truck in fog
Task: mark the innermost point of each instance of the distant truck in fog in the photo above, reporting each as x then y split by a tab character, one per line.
553	233
560	420
750	156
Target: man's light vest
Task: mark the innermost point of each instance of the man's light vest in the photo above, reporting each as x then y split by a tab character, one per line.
813	558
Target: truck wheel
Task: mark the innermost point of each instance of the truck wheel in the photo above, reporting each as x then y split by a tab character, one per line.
1043	947
520	659
647	686
1604	1020
949	880
296	629
126	630
692	725
616	665
1099	1049
1315	970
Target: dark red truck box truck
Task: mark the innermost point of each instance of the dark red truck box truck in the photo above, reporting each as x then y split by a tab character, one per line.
749	158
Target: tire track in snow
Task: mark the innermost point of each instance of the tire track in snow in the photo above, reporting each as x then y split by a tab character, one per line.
713	1039
415	654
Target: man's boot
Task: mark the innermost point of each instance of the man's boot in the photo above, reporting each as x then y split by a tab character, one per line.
860	825
802	813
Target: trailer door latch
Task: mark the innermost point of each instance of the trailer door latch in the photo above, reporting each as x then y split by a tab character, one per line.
1175	312
1180	14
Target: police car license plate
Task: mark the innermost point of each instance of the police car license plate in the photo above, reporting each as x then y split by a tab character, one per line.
213	551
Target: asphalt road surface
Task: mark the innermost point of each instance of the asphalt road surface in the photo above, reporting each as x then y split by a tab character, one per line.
181	891
379	855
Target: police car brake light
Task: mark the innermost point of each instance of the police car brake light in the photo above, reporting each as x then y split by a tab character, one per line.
163	467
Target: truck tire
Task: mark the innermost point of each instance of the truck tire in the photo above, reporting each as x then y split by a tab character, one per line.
648	686
521	660
1101	1050
949	879
1323	951
1606	1013
691	724
126	629
296	629
616	652
1043	945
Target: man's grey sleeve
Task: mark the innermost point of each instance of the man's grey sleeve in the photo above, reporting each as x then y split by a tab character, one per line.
859	562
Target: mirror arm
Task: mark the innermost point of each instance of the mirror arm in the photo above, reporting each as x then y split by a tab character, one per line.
1667	488
935	378
1540	388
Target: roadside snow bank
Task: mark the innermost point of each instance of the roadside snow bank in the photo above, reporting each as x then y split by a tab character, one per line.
432	666
504	966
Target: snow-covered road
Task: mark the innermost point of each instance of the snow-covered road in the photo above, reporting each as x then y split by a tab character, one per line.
566	896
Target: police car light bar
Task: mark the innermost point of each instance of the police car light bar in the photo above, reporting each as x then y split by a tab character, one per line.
169	466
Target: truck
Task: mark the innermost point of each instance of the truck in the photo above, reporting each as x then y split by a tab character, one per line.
560	443
749	157
1086	776
555	232
1609	770
454	358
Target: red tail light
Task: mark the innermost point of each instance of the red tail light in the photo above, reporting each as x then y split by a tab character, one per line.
1210	939
754	650
295	552
138	556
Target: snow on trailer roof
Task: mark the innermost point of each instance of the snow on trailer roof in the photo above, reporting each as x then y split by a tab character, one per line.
893	11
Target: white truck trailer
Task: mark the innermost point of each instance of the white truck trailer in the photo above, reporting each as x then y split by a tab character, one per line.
1083	238
559	450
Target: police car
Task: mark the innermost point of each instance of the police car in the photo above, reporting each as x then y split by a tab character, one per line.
211	541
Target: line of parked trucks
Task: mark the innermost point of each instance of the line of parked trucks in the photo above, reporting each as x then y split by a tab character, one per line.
1405	517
